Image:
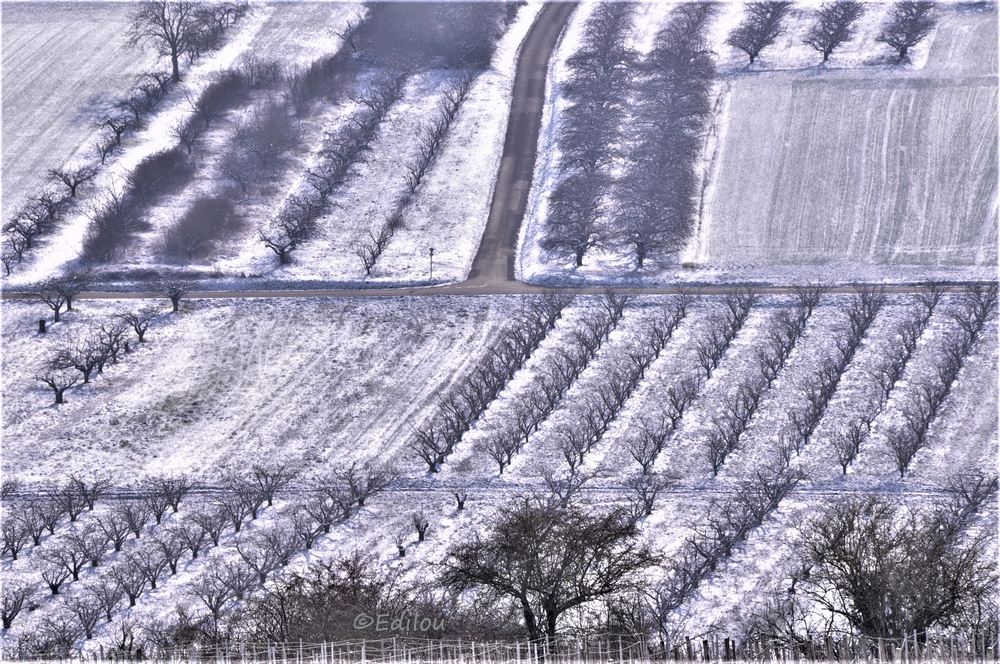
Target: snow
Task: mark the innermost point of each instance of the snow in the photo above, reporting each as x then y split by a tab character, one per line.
449	211
323	382
64	246
327	381
63	65
909	196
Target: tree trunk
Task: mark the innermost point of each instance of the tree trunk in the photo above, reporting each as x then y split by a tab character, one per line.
579	257
55	319
59	396
550	626
176	76
529	620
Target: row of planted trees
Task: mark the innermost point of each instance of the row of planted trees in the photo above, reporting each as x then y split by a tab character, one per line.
625	112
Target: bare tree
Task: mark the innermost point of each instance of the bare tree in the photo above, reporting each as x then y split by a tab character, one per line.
548	560
115	528
501	446
234	508
59	630
14	535
930	296
891	572
432	445
969	492
104	146
74	177
908	23
58	381
90	541
763	23
175	290
710	349
646	445
214	592
268	550
15	597
847	443
723	439
193	536
155	503
69	556
834	25
644	489
283	239
53	298
171	27
173	489
212	519
904	445
150	558
305	528
107	595
9	254
49	510
129	578
8	487
54	574
84	356
367	481
118	125
564	488
419	520
679	397
87	611
188	133
135	513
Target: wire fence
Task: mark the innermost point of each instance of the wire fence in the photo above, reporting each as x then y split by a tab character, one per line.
944	648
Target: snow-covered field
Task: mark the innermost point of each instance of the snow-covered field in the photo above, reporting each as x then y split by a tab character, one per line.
861	168
854	170
322	382
319	383
64	63
448	212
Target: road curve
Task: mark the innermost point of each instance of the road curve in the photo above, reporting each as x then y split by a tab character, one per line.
494	262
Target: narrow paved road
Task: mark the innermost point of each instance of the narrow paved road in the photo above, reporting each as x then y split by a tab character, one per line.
494	262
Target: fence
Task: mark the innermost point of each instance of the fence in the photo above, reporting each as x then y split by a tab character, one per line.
943	648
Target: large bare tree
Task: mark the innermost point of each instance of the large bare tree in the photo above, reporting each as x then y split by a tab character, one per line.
549	559
172	28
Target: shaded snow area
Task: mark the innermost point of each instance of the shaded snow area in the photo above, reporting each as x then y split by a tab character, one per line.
448	211
63	247
859	169
323	382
